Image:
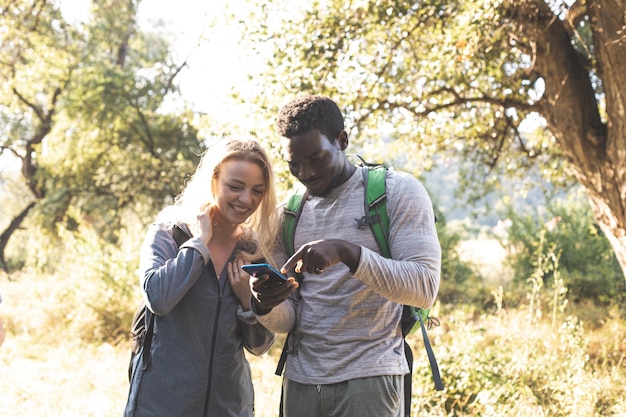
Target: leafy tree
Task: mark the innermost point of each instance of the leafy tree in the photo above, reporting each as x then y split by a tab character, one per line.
465	78
80	106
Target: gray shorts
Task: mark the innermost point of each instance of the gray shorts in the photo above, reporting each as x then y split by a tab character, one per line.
380	396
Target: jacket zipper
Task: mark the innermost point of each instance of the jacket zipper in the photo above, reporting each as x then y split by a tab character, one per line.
213	344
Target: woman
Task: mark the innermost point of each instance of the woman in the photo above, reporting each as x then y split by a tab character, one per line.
200	295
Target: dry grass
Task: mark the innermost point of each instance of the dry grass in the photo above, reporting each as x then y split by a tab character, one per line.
267	385
68	380
47	371
74	380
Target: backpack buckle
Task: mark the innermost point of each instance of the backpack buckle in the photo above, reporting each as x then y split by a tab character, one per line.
367	220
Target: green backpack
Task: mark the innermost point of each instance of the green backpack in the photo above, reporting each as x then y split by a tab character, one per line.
377	219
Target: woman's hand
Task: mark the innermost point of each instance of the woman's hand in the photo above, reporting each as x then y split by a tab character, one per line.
205	225
239	282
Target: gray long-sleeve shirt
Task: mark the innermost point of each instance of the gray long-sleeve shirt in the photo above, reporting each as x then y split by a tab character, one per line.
345	325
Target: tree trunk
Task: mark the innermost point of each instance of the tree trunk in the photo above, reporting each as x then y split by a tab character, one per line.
596	148
13	226
612	225
609	200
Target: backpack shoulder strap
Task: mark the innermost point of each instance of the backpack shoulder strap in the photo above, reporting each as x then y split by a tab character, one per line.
376	216
180	237
291	215
376	206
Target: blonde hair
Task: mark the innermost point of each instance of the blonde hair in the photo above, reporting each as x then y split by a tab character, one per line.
262	226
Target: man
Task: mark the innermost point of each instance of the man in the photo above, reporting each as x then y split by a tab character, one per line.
346	354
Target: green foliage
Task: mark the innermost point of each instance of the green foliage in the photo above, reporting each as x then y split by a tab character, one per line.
116	172
83	110
501	84
522	361
460	281
566	228
111	272
99	284
505	364
426	78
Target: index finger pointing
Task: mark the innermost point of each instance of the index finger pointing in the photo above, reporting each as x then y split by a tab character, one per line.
294	261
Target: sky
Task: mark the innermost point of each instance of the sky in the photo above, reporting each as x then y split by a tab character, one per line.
200	32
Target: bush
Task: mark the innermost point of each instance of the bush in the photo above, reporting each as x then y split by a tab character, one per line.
460	280
519	363
587	263
96	285
107	289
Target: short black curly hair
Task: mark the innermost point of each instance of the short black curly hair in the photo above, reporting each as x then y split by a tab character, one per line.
310	112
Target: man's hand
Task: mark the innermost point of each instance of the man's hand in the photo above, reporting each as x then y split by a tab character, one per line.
266	295
316	256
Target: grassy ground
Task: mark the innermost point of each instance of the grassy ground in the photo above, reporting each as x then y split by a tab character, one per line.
66	380
46	371
71	379
524	360
76	380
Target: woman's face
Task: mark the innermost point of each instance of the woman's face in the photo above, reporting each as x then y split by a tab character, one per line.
240	189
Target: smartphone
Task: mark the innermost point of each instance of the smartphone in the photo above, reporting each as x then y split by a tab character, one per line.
262	269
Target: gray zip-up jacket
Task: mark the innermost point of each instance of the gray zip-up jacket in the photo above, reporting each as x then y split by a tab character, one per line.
345	325
197	366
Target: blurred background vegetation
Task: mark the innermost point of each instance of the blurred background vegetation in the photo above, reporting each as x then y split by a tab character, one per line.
98	134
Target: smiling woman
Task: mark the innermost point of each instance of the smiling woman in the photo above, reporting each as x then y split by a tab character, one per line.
198	367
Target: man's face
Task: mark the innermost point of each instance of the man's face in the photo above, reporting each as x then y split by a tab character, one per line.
317	161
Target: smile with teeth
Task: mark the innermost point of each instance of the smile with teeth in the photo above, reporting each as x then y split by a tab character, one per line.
238	209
